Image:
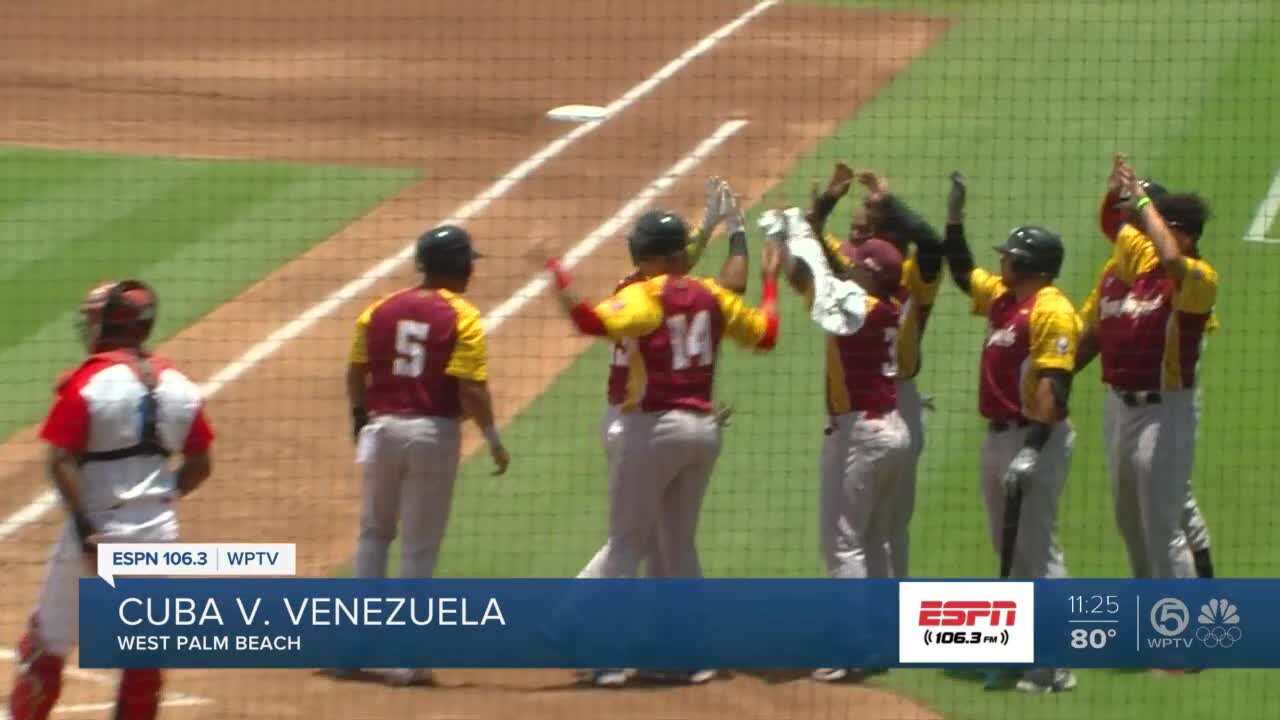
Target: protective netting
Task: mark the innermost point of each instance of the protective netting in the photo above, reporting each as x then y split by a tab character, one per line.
266	166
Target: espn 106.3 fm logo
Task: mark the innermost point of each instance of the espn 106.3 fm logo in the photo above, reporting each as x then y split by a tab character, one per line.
966	622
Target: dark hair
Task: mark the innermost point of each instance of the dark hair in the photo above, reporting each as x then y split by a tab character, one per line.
1187	212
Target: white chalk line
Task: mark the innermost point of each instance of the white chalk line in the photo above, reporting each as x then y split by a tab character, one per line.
1265	218
46	501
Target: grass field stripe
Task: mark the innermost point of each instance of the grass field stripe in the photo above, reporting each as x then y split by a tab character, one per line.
37	507
1266	217
495	317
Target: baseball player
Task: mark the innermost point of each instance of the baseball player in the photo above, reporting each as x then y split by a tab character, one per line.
115	421
884	215
1024	386
1147	318
866	450
626	378
417	368
669	447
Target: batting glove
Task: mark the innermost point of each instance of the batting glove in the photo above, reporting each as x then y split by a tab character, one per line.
1021	469
713	211
774	225
734	222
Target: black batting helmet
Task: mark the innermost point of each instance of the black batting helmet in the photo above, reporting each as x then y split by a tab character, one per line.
1034	251
445	250
1153	189
657	233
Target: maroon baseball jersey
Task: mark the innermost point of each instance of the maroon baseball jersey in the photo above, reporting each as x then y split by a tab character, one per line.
863	367
417	344
620	389
678	322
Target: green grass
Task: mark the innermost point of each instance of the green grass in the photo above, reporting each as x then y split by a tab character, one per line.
1030	99
199	231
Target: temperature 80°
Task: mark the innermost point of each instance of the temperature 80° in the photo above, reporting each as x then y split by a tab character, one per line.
1095	638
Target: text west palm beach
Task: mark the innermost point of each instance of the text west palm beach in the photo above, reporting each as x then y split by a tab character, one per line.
314	611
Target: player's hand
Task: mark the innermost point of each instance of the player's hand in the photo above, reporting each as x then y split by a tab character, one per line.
841	180
713	210
1021	470
501	459
956	198
774	225
731	205
874	182
1113	182
771	259
723	413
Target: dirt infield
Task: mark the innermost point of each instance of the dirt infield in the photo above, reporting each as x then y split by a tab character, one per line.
460	90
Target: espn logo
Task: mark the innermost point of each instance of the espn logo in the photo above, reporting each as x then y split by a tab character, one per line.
947	623
965	613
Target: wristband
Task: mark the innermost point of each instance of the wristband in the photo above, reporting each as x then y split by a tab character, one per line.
492	437
559	275
1145	201
769	292
738	244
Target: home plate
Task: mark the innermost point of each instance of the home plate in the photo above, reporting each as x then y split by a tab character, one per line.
577	113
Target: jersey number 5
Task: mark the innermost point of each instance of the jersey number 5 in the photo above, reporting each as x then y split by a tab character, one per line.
411	355
690	340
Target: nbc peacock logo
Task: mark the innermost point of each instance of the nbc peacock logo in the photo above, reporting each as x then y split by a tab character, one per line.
1219	624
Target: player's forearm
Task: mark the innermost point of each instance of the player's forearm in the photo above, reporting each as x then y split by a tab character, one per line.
959	256
698	244
584	316
1087	350
1162	238
821	209
734	271
478	405
357	385
66	478
769	307
192	473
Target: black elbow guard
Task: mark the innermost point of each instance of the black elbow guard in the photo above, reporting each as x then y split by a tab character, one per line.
1060	383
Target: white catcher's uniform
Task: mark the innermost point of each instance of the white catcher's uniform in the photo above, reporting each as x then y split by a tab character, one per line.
98	416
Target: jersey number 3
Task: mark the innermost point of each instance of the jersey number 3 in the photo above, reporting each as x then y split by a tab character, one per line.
690	340
411	355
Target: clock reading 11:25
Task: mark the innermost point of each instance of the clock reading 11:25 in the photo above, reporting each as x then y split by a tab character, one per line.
1094	604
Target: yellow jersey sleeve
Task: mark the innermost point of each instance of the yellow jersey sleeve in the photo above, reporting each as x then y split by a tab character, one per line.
834	244
745	324
922	293
984	288
1133	254
359	354
1199	289
1055	332
1089	316
634	311
467	361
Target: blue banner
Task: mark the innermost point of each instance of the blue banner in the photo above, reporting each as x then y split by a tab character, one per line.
348	623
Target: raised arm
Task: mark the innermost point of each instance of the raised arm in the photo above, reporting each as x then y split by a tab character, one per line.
955	247
733	273
823	203
1154	226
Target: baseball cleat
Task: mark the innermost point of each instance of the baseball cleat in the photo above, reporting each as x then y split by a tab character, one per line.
830	674
612	677
408	677
698	677
1044	682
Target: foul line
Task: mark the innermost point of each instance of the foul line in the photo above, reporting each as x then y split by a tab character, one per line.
1265	219
46	501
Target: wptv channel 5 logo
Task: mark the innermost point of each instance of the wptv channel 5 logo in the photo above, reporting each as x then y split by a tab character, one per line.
1217	624
966	622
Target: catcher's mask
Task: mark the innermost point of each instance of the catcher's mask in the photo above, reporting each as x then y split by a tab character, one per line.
117	314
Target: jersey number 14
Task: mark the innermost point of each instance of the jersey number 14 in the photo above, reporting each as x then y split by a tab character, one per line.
691	341
411	353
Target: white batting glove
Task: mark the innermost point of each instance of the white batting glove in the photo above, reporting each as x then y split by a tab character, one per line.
734	221
774	225
713	211
1021	469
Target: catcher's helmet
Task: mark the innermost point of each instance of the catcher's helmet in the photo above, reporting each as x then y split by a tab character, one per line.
117	314
445	250
1034	251
657	233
